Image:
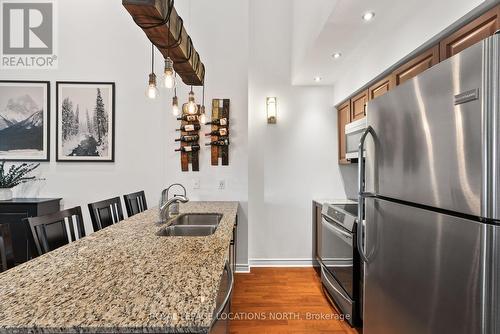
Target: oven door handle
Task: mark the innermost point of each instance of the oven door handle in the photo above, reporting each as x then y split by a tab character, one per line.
336	229
361	192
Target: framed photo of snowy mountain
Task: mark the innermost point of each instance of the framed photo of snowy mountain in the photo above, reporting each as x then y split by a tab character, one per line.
85	121
24	120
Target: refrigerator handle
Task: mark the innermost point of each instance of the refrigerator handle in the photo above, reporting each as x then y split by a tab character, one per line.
361	192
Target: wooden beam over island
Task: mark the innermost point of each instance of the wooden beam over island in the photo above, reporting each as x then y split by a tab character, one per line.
165	29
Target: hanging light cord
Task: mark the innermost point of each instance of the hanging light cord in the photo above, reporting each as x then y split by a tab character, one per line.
168	39
152	58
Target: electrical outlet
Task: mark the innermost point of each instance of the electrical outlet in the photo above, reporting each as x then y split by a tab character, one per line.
222	184
196	183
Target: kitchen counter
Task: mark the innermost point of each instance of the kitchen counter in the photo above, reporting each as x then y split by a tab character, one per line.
122	279
322	201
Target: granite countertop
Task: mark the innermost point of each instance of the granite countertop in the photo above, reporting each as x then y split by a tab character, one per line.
122	279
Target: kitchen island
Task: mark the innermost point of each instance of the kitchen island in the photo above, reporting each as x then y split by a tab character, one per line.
122	279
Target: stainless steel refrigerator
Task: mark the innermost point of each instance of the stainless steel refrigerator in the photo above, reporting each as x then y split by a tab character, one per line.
430	199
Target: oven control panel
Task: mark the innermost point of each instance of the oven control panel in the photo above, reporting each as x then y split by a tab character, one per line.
335	215
342	214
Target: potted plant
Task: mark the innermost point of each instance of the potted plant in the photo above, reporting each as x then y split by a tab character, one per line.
16	175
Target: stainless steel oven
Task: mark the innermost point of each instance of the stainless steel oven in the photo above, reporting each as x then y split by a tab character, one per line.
340	265
353	133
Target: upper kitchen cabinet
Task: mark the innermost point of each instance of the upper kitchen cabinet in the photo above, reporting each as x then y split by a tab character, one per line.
415	66
358	106
344	117
380	88
482	27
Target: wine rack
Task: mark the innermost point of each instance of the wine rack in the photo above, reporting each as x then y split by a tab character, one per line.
220	110
192	157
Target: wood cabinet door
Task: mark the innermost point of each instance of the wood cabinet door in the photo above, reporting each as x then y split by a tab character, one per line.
358	106
415	66
380	88
481	28
344	117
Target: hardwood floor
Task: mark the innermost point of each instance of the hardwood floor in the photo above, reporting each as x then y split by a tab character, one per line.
283	300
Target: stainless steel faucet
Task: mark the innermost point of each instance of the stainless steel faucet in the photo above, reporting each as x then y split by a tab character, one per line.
169	207
166	212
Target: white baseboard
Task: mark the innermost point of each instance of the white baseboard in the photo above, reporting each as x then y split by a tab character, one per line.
242	268
281	262
298	263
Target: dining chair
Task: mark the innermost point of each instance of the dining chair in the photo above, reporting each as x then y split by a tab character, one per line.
56	229
3	256
10	236
106	213
135	203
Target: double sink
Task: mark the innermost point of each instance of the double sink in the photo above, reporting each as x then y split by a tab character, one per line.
191	225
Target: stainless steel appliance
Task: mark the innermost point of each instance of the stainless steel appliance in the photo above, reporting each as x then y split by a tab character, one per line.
221	317
431	200
340	263
353	133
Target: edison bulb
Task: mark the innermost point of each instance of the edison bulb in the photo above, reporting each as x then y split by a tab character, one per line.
203	118
169	80
152	92
192	107
168	77
175	110
175	106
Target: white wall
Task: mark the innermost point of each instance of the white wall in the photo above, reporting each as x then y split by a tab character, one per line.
98	41
294	161
219	29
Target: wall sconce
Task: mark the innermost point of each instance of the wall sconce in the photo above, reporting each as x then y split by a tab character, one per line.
271	106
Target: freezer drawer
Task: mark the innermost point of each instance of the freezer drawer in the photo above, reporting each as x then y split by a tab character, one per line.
424	271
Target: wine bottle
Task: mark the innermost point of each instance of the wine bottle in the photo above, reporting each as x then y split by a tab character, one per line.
220	132
188	118
191	148
224	142
189	127
220	121
188	138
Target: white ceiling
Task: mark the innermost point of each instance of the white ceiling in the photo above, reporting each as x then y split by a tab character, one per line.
322	27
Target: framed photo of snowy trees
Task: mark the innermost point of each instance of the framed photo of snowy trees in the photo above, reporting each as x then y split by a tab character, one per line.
85	121
24	120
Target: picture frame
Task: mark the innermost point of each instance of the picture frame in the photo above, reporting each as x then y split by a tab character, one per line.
85	121
24	120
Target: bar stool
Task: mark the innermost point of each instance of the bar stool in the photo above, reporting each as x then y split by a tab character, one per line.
105	213
135	203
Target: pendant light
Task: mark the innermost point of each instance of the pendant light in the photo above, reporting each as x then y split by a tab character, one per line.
168	73
203	116
192	106
168	78
175	102
152	91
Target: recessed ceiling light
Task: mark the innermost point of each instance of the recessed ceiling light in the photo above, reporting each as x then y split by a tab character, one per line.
336	55
317	79
368	16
